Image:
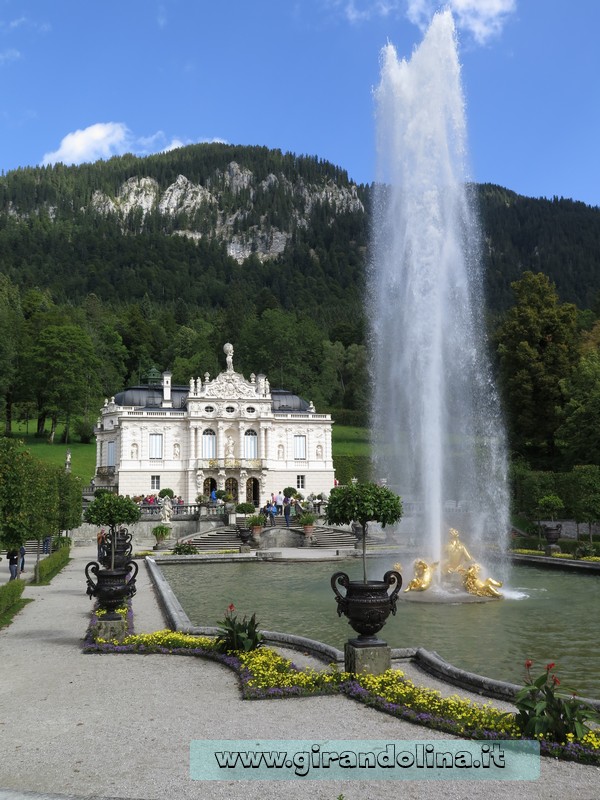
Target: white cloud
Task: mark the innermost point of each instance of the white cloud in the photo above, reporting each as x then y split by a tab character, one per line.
102	140
357	11
106	139
483	19
9	55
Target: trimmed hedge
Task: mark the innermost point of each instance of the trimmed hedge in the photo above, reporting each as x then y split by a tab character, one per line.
48	567
348	467
10	594
348	417
570	546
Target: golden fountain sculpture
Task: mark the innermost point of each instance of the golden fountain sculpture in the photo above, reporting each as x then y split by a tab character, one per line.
459	570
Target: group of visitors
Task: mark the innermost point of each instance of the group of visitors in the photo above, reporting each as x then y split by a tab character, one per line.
280	505
155	500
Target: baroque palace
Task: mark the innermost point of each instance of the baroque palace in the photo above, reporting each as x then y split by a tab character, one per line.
222	433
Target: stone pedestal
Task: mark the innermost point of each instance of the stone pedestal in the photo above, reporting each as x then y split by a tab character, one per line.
373	659
110	629
550	549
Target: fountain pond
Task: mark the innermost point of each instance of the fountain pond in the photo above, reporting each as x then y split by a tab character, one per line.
545	616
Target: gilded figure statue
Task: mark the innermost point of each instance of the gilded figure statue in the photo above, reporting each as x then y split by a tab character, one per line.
457	557
474	585
423	575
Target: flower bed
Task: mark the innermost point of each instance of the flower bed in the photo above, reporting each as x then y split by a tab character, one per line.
264	674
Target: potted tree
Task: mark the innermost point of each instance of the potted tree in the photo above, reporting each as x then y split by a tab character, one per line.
245	509
114	584
307	520
549	506
161	533
367	604
256	523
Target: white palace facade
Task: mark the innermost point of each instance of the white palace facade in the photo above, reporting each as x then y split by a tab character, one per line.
222	433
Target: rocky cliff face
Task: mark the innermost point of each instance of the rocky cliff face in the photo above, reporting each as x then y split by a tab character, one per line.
229	207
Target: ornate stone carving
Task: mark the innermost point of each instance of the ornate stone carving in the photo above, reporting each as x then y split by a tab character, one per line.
229	385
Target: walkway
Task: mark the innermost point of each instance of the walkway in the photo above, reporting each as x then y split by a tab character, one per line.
120	726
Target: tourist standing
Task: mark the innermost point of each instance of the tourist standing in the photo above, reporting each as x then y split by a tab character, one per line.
287	509
13	563
279	503
22	552
101	539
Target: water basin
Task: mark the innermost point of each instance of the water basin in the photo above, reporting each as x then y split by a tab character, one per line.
546	616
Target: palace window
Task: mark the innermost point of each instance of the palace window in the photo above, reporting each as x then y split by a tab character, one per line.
110	454
209	444
250	444
300	448
300	481
155	483
155	442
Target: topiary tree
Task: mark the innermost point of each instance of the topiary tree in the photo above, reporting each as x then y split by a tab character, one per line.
245	509
112	510
363	503
550	505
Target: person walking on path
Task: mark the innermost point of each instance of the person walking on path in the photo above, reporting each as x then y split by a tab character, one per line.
22	552
13	563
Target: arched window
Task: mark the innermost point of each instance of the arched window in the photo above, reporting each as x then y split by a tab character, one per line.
250	444
209	444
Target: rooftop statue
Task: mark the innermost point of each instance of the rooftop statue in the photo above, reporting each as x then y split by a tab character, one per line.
228	350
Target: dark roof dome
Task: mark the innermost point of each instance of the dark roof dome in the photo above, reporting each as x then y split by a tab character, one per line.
150	396
286	402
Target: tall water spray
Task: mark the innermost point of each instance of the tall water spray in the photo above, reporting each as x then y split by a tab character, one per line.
437	433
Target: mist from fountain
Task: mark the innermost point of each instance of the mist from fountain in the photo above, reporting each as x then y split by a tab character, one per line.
438	438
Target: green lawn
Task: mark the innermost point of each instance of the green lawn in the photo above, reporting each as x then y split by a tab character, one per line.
347	441
83	456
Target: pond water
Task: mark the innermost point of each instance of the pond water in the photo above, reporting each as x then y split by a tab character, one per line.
548	616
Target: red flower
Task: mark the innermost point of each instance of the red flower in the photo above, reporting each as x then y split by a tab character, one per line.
550	666
555	680
231	608
528	664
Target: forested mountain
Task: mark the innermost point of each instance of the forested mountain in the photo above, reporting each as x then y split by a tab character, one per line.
187	226
183	227
558	237
113	268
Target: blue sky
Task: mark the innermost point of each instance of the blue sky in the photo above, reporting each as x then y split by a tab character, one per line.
88	79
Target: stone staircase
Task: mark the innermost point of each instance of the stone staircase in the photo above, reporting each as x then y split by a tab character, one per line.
227	538
219	539
31	546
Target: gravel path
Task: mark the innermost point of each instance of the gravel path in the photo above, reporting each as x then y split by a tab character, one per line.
120	726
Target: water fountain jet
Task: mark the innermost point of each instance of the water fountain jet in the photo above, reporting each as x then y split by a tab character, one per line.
438	439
